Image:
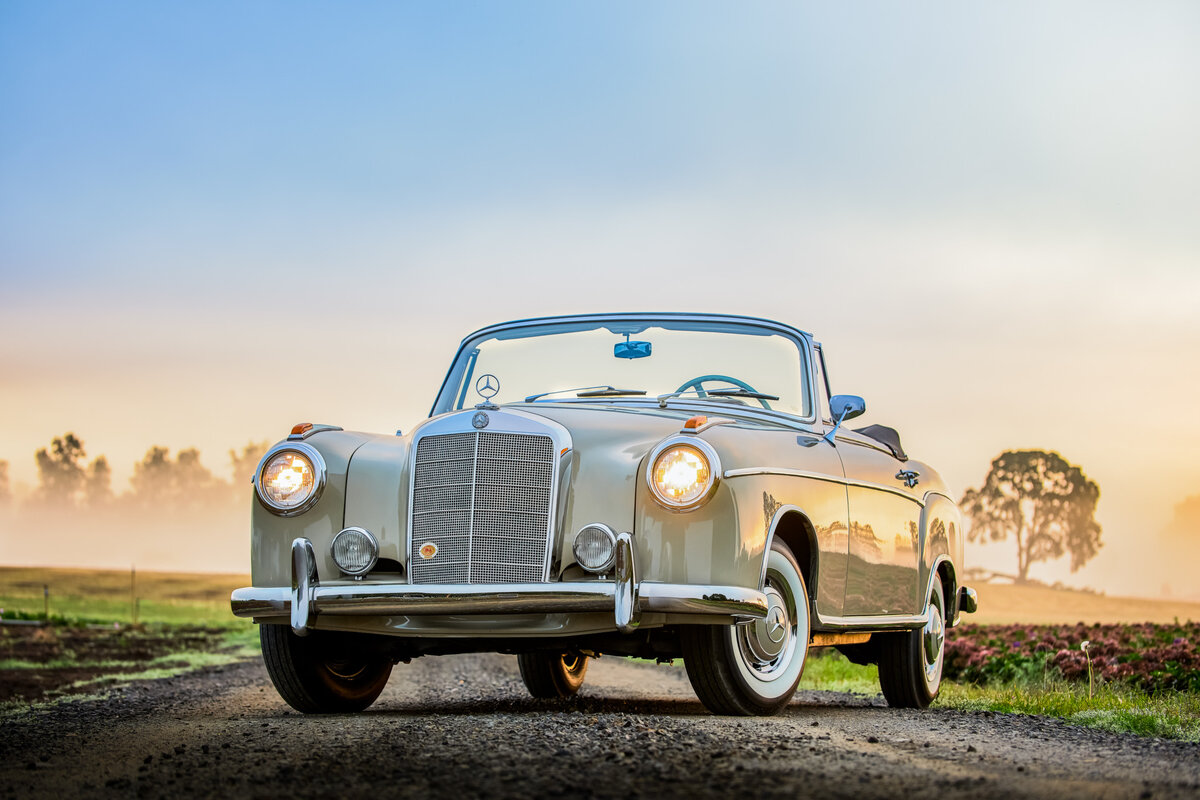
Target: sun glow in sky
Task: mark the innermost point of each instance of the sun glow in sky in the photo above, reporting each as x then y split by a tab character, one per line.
220	219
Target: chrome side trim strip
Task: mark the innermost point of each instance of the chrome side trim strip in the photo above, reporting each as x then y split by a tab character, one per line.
877	622
818	476
365	599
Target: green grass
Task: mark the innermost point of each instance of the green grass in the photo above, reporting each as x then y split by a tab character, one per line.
105	595
828	670
1112	707
95	609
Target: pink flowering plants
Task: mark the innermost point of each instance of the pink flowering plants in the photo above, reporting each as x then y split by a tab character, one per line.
1153	658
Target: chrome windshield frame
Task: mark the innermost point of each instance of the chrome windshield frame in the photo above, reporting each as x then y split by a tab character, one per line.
802	340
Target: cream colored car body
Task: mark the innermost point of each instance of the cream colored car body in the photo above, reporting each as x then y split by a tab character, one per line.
870	543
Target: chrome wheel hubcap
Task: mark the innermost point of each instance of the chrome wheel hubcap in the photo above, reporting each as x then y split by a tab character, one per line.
768	637
933	638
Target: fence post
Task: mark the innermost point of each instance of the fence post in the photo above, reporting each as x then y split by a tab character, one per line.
133	609
46	601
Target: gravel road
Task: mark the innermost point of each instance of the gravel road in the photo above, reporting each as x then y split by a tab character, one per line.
464	726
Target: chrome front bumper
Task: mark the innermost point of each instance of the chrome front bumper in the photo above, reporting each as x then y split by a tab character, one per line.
623	596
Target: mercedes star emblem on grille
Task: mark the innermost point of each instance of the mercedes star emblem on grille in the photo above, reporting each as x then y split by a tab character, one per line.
488	386
480	420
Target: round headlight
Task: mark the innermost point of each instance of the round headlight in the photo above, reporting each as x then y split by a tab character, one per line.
595	547
354	551
290	478
683	474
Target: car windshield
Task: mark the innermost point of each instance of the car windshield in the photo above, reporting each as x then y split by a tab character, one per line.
722	362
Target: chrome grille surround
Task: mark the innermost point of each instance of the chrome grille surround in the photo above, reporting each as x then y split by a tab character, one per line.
485	498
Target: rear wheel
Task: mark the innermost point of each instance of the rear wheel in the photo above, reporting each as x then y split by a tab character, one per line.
319	675
753	669
552	675
910	663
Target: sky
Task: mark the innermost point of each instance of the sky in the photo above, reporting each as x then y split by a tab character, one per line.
219	219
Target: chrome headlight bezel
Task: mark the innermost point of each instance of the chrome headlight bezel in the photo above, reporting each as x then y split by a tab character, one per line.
373	545
705	450
319	471
607	534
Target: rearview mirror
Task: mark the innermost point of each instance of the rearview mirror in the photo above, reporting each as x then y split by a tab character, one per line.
844	407
847	406
628	349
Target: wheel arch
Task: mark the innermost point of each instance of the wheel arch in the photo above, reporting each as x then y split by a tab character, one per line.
943	570
793	527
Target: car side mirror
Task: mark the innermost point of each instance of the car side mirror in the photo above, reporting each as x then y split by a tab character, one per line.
847	406
844	407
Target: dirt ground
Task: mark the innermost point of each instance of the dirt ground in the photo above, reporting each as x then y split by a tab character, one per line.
464	726
75	656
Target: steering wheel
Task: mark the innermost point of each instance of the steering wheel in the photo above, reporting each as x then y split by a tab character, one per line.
697	384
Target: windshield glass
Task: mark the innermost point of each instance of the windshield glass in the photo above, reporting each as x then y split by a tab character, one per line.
726	363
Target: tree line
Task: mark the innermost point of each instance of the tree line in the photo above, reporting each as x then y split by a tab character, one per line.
66	479
1039	499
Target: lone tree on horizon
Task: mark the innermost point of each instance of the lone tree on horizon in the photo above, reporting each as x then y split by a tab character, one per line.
1046	503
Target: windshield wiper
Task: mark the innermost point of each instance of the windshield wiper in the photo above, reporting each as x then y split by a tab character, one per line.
589	391
611	392
741	393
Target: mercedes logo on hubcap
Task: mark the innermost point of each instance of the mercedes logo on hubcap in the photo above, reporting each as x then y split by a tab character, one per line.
775	626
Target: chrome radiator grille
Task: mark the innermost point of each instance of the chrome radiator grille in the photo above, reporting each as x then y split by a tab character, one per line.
483	500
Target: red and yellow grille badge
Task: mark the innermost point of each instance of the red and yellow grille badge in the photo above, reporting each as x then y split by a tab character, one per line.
428	550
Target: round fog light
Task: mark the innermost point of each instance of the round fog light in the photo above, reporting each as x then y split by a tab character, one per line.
355	551
595	547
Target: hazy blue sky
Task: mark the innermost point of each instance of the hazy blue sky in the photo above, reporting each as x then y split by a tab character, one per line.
217	219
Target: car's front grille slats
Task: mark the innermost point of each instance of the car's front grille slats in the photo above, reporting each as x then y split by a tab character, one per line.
484	500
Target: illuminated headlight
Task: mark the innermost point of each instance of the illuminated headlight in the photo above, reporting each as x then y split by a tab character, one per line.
355	551
290	478
683	473
595	548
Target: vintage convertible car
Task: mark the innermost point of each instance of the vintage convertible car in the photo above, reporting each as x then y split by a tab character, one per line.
649	485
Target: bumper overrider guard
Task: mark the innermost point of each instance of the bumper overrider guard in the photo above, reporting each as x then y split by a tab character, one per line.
624	596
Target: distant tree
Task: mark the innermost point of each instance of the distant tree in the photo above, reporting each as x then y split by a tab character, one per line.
183	483
5	490
97	486
244	465
60	471
1180	550
1186	524
1047	504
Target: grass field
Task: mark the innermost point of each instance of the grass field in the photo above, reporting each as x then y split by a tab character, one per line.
1041	605
107	596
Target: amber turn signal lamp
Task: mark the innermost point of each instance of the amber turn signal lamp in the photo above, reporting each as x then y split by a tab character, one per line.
303	427
695	422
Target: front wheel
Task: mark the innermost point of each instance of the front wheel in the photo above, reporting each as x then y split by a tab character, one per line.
753	669
317	674
552	675
910	663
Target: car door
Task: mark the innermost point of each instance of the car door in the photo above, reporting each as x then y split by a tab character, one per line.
883	569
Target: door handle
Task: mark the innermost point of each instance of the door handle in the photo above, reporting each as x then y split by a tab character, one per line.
909	477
